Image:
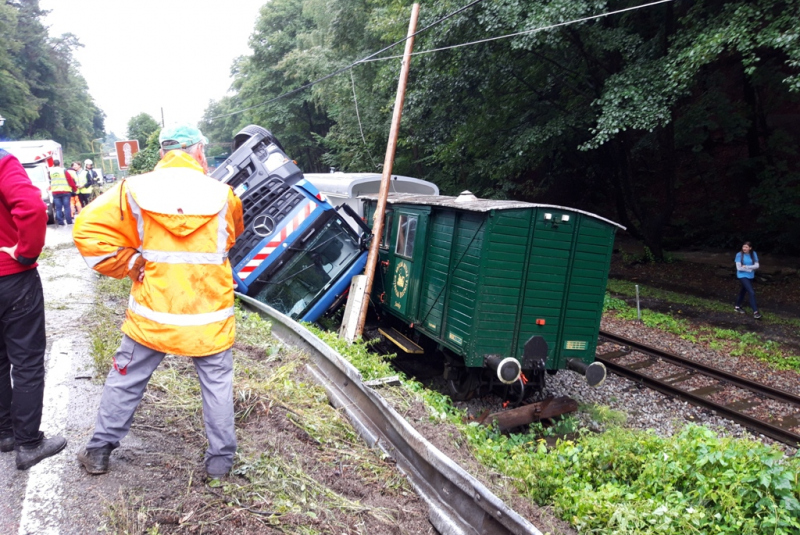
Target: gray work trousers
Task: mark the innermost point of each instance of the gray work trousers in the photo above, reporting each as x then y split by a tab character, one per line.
122	394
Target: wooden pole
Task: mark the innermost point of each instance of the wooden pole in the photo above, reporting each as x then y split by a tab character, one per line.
388	163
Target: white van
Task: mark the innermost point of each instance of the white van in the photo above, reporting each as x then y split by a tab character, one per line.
37	156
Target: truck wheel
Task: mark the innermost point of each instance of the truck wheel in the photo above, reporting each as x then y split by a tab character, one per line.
251	130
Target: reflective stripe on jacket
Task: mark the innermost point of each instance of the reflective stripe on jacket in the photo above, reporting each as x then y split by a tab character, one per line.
58	181
183	224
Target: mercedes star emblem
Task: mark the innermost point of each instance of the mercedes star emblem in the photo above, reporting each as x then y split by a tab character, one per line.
263	225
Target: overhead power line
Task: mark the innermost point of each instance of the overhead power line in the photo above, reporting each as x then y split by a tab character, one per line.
371	57
524	32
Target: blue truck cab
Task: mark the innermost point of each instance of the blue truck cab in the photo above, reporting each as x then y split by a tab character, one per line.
297	253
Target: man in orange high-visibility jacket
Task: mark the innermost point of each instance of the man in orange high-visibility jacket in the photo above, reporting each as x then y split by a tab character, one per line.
169	231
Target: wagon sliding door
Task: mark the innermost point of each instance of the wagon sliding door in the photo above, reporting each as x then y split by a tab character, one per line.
436	272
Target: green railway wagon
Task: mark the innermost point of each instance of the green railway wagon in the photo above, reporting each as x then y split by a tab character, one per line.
506	290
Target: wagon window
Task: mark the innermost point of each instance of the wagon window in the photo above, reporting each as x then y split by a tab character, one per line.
406	232
387	230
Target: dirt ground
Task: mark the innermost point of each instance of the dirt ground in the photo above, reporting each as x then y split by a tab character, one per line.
712	275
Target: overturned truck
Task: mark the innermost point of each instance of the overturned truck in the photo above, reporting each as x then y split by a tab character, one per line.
297	254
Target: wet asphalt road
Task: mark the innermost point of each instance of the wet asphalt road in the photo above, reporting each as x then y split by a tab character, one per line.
47	498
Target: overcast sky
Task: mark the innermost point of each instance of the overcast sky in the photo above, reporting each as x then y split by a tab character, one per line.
145	55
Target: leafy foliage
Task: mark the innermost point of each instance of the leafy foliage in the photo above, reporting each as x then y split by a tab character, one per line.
664	118
145	160
140	127
632	482
42	93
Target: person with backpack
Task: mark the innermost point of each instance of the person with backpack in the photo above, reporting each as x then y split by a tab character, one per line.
746	266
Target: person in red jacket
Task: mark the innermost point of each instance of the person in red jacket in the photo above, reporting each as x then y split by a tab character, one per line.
23	223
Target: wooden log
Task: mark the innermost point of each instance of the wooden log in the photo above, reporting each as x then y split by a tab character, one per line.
549	408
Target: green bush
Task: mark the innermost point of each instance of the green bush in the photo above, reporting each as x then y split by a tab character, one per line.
626	481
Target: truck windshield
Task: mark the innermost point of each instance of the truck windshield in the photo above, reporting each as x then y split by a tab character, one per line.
318	261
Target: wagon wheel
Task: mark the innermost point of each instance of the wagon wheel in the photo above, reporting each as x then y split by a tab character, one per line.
463	383
516	393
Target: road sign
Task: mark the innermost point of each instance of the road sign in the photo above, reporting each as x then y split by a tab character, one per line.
125	151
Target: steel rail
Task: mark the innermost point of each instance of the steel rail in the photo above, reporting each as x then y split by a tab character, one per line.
458	503
717	373
765	428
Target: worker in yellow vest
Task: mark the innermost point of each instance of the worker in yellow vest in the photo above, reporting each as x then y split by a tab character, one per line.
84	185
92	182
61	186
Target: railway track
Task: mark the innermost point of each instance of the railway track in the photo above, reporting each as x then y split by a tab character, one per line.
761	408
458	503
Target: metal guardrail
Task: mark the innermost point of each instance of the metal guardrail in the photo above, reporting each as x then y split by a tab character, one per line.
458	503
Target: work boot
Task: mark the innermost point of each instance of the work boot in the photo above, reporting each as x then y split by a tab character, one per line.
95	460
7	444
28	456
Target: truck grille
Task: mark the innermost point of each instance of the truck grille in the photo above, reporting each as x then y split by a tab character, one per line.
273	198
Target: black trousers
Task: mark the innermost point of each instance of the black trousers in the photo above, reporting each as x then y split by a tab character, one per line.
22	347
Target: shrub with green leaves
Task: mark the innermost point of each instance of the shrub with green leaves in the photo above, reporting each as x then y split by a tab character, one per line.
626	481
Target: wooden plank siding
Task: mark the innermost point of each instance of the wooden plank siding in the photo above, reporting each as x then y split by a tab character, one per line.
436	272
584	306
545	287
462	292
500	284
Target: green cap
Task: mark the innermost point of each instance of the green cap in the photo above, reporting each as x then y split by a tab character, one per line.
180	136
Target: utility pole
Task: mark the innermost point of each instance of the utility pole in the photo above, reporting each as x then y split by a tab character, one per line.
388	163
162	117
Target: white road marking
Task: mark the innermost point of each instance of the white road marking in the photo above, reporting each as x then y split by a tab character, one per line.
41	508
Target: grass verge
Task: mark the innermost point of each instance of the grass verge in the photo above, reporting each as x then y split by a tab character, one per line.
300	467
734	342
105	319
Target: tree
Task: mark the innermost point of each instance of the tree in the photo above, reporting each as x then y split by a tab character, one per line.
141	126
674	119
146	159
17	104
42	94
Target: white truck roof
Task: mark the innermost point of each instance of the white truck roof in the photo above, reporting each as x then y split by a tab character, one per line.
346	188
34	151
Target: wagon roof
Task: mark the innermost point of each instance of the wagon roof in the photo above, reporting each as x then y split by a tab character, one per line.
466	201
